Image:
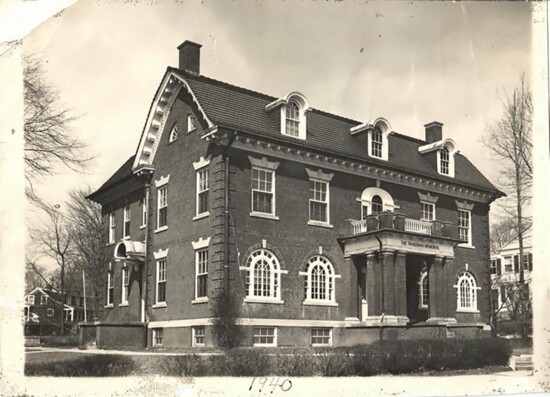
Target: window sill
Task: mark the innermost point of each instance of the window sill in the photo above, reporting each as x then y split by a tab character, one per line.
110	243
265	300
466	245
158	305
264	345
319	303
200	216
142	227
161	229
264	215
474	311
126	238
109	306
422	307
123	304
199	300
320	224
196	345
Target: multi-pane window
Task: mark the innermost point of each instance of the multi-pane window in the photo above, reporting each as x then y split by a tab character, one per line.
50	312
29	299
162	218
263	191
423	289
318	201
508	268
319	283
321	337
376	204
112	227
198	336
143	212
201	286
191	123
161	281
125	284
466	291
173	134
202	191
428	211
263	275
126	221
158	336
110	287
445	161
376	142
292	119
464	231
43	299
265	336
528	261
495	266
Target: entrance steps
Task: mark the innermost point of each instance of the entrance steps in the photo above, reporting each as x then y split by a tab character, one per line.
523	362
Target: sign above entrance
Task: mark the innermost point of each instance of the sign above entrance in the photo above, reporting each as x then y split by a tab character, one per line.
422	245
416	244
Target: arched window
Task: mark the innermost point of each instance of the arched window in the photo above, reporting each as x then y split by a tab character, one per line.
375	200
292	119
376	204
466	292
173	133
423	290
445	161
263	277
376	142
319	281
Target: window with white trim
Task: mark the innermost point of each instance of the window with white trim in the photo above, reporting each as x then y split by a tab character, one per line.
320	280
319	201
173	133
191	123
528	261
375	200
427	211
126	221
265	336
110	287
263	191
321	337
508	267
423	290
495	265
466	292
376	142
201	273
445	162
162	216
112	227
263	277
161	281
143	212
125	284
292	126
158	336
202	191
43	299
198	336
29	299
464	226
50	312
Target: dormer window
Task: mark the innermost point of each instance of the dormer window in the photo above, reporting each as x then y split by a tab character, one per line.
173	133
191	123
445	149
377	131
444	160
292	109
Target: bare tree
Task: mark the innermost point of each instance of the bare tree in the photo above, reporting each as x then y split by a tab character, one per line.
48	140
502	234
511	141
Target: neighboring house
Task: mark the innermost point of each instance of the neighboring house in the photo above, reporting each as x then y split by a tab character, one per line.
326	230
505	270
42	312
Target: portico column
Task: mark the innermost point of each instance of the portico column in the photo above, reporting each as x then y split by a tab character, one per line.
400	284
388	269
435	291
447	287
373	282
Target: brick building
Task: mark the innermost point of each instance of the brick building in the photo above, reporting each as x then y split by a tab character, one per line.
326	230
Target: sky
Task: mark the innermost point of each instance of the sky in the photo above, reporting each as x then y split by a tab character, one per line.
410	62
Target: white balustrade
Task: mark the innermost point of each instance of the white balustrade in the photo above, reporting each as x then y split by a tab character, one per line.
416	226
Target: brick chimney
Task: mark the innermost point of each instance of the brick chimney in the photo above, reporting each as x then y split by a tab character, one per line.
434	131
190	56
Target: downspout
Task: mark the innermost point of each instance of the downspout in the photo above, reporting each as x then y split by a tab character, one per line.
144	269
226	227
383	300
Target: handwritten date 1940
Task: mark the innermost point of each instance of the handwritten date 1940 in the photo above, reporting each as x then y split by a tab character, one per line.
272	382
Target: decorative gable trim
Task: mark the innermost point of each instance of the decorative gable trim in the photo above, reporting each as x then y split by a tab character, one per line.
319	174
464	205
201	243
428	198
158	114
451	145
160	254
203	162
264	163
162	181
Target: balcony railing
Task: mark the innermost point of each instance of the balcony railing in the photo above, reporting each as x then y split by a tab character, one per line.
398	222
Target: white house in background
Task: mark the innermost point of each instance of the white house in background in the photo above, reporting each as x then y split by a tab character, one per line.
505	270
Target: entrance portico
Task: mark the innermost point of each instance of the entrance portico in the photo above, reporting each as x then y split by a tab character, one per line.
403	270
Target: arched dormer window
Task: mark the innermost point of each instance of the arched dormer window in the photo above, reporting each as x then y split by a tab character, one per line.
444	159
173	133
378	131
423	290
319	286
375	200
446	151
293	109
466	292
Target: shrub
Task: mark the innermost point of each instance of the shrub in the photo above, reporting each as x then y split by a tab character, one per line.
227	333
97	365
188	365
248	362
